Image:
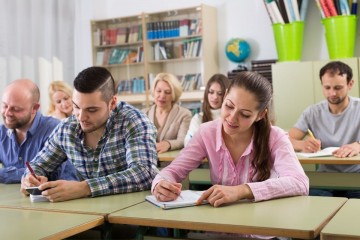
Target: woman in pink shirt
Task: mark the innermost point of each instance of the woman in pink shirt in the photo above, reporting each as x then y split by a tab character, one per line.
248	157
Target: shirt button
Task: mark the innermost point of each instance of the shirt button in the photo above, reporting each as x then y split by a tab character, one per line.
95	160
20	158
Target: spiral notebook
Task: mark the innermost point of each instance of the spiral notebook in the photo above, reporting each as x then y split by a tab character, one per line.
187	198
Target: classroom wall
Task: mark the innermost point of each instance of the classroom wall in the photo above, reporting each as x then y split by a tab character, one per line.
245	19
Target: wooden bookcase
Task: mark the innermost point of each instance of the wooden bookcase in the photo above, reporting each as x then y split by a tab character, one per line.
179	41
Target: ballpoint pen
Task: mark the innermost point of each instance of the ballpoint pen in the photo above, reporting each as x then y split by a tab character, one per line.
158	172
31	170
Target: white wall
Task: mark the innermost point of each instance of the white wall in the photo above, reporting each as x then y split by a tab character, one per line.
245	19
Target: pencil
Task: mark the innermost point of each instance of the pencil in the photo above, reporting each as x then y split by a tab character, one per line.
311	134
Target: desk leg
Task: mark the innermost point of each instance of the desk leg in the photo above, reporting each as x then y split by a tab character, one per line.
106	231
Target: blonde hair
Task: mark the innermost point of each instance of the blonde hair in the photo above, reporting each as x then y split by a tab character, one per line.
54	87
174	83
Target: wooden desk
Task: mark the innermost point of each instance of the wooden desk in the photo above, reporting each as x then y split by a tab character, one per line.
297	217
168	156
31	224
345	225
10	197
329	160
317	179
171	155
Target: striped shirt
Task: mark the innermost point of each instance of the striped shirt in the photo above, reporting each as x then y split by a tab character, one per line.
121	161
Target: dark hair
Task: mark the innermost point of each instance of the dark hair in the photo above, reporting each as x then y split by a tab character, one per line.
262	90
224	82
94	79
337	68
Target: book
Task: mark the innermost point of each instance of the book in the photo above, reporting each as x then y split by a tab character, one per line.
322	153
187	198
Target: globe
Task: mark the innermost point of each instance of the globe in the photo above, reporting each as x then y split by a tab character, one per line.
237	50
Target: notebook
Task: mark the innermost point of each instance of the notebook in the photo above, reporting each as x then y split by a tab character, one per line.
188	198
322	153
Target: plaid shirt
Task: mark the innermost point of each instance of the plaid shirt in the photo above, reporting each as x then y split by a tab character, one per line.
121	161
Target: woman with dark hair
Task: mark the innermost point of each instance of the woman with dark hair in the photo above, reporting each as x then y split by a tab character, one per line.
248	157
211	107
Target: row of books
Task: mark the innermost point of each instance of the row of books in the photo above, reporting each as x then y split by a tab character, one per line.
118	35
135	85
111	56
189	81
174	28
185	49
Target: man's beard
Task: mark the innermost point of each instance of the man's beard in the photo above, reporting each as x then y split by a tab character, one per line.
19	123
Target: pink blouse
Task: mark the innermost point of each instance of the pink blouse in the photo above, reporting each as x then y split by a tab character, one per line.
287	175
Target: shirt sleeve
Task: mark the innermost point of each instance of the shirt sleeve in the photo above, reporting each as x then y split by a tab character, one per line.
194	126
188	159
140	155
287	175
178	143
11	174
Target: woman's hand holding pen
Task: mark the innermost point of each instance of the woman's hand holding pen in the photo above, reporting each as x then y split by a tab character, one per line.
166	191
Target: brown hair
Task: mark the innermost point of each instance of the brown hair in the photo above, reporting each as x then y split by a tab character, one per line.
224	82
262	90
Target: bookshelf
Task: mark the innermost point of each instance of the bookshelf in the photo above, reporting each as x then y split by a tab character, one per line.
136	48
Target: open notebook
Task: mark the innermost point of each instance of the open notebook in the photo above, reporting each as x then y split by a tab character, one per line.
322	153
188	198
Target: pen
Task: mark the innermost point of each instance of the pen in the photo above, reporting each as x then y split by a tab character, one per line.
158	172
311	134
31	170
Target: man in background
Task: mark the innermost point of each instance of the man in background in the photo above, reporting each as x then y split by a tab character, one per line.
334	122
24	132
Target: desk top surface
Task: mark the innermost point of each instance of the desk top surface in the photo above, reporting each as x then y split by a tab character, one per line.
345	224
10	197
298	217
171	155
31	224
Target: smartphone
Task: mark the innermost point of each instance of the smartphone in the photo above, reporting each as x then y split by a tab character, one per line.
34	190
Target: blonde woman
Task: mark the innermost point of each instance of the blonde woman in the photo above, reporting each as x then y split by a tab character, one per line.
60	94
171	120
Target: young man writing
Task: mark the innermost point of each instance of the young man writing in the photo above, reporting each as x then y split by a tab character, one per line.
334	122
111	145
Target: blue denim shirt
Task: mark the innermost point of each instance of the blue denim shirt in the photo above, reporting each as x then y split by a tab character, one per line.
13	156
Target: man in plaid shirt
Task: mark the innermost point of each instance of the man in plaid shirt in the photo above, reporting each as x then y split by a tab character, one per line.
111	145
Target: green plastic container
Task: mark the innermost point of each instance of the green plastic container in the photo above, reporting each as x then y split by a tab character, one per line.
340	33
288	40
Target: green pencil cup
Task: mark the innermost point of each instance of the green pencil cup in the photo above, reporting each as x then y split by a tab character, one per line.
340	33
288	40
